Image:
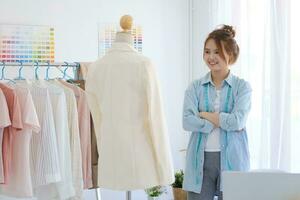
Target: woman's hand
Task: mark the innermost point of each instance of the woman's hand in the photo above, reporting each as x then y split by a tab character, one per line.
213	117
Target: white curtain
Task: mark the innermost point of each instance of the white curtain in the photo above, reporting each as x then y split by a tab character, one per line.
263	31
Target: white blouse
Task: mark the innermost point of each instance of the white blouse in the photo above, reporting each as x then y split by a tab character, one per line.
63	189
74	140
45	167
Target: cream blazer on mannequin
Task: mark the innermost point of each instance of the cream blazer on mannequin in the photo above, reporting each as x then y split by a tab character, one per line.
132	139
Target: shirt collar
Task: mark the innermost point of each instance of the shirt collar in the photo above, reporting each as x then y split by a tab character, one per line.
228	80
121	46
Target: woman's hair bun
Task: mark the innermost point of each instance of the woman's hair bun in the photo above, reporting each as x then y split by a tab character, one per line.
228	29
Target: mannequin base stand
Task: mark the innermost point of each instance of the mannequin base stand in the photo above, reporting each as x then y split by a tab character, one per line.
128	195
98	194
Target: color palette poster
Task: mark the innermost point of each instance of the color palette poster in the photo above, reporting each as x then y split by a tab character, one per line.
107	34
26	43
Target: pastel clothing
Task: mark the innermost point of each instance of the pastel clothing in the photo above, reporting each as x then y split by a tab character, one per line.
85	133
16	125
63	189
74	140
95	156
20	184
4	122
84	67
235	104
132	138
45	167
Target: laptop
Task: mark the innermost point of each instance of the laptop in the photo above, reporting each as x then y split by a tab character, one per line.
260	186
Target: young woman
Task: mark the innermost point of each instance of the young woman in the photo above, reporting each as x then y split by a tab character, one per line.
215	111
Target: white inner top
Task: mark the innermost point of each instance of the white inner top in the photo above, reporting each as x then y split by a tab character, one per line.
213	140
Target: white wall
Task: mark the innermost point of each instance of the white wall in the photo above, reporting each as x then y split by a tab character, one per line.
199	32
165	26
206	16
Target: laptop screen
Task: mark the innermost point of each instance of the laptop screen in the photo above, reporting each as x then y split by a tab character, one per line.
260	186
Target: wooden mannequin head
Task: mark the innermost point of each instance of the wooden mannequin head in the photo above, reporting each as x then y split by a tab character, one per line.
126	23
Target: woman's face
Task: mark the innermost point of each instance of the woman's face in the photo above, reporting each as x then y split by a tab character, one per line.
213	58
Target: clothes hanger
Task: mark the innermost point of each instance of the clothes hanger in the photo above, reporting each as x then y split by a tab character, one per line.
2	71
64	72
3	77
76	72
36	70
20	72
73	80
47	71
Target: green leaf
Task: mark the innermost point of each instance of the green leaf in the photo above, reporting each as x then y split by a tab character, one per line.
178	179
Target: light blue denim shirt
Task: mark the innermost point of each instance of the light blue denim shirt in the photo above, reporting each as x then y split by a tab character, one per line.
235	103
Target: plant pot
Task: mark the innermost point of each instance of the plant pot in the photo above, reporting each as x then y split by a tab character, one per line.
153	198
179	194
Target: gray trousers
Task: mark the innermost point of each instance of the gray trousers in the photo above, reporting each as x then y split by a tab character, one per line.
211	178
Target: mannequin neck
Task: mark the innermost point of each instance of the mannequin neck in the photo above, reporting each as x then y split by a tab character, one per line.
124	37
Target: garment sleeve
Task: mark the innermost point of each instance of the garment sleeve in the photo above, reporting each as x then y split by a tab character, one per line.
94	116
157	127
4	114
91	96
236	120
30	118
86	142
16	119
190	119
75	148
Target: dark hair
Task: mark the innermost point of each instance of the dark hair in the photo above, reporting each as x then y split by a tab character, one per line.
225	34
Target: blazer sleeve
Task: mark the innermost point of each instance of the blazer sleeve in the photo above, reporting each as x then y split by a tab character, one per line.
92	99
157	128
191	120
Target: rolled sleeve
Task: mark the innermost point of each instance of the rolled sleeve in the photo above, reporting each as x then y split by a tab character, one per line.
196	124
236	120
191	120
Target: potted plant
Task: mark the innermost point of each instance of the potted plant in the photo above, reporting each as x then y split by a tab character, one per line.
178	193
154	192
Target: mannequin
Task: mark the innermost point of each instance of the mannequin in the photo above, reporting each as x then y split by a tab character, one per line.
125	35
124	98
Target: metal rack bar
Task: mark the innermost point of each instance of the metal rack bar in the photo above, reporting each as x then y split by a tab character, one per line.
33	64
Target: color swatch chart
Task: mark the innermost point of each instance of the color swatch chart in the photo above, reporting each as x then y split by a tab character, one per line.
107	34
24	43
137	38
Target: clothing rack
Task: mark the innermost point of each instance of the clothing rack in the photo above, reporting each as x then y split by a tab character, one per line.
47	65
36	65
